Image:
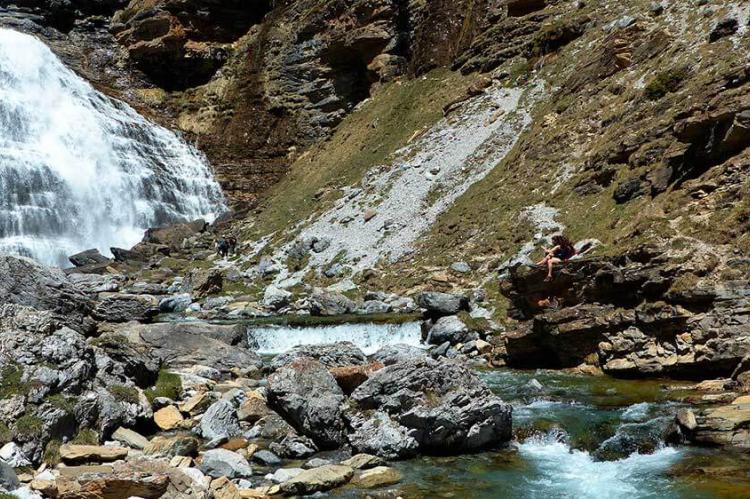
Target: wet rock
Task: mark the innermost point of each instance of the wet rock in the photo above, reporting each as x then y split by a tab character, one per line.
441	405
363	461
266	458
318	480
317	462
253	408
294	446
379	476
224	463
440	304
307	395
88	257
340	354
324	303
175	304
220	421
378	433
282	475
71	453
392	354
373	307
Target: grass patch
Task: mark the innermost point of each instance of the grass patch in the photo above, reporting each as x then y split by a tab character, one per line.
5	434
61	402
666	82
124	393
29	426
51	454
167	385
86	436
10	381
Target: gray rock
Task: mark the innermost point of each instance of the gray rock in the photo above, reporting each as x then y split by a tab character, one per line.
461	267
450	329
266	458
400	352
220	420
307	395
25	282
326	303
176	303
88	257
317	480
275	298
294	446
371	307
316	462
335	270
441	405
8	479
320	245
221	462
120	307
439	304
441	350
282	475
217	302
340	354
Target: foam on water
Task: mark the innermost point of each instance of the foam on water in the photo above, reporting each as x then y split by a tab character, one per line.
79	170
566	472
368	337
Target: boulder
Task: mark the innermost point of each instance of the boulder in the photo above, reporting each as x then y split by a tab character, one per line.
225	463
220	421
341	354
168	418
379	476
282	475
175	303
325	303
253	408
318	480
440	405
88	257
171	446
374	307
266	458
71	453
173	235
440	304
307	395
392	354
8	479
451	329
363	461
275	298
120	307
203	282
25	282
377	433
294	446
131	438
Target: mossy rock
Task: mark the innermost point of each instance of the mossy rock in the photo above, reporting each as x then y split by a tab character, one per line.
167	385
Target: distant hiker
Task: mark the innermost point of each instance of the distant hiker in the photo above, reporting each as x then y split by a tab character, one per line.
561	252
222	247
232	242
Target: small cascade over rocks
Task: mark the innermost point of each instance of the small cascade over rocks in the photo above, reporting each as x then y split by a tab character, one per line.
80	170
268	340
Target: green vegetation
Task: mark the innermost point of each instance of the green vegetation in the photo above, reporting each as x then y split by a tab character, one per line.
86	436
51	454
61	402
167	385
5	434
29	426
10	381
124	393
666	82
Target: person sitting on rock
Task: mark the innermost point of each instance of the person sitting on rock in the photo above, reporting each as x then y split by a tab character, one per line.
560	253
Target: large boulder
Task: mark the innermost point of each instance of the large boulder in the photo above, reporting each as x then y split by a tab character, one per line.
221	462
340	354
88	257
450	329
326	303
442	406
122	307
183	345
220	421
307	395
440	304
25	282
173	235
318	480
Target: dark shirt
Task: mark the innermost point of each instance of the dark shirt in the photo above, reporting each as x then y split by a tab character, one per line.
564	253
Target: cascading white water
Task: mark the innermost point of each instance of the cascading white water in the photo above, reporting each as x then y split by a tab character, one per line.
80	170
368	337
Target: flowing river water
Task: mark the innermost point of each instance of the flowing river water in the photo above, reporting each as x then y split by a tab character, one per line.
576	436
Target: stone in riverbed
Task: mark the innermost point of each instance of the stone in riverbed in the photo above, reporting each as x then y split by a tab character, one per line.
266	458
220	420
324	303
282	475
363	461
440	304
350	377
130	438
307	395
221	462
178	445
450	329
168	418
318	480
379	476
294	447
400	352
275	298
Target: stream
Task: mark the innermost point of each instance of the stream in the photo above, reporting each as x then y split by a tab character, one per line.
576	436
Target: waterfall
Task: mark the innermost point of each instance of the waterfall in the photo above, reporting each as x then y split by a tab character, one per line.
80	170
368	337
